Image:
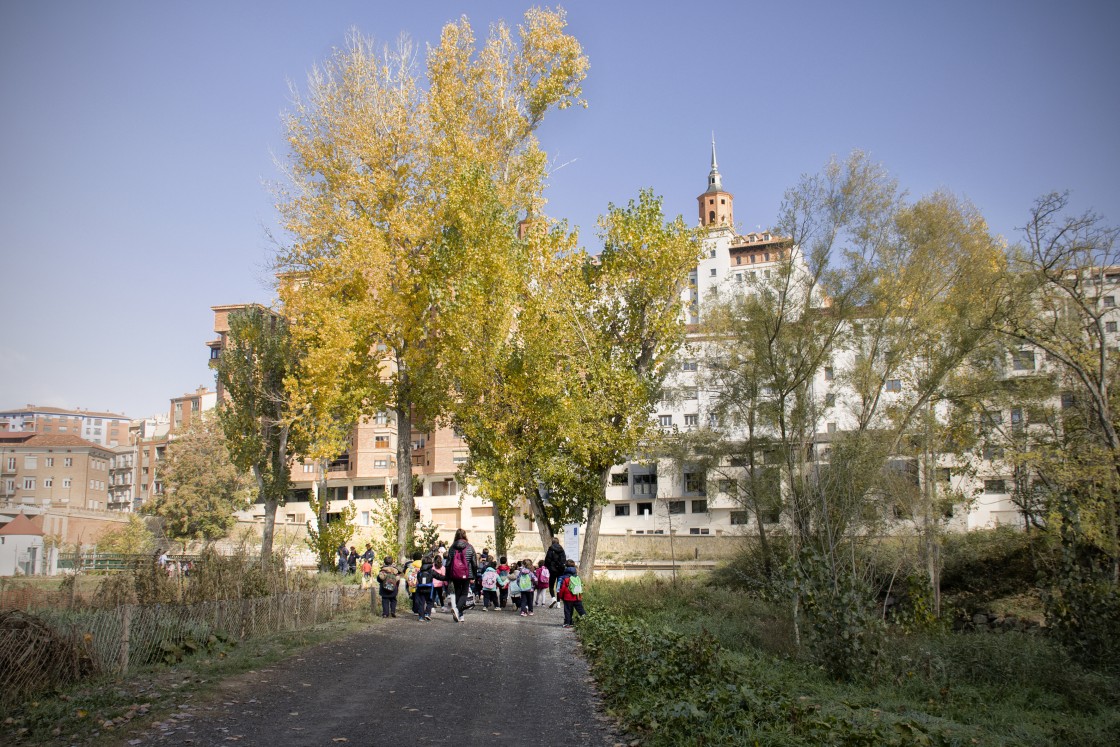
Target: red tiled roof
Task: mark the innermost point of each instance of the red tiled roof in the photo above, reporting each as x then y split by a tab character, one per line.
21	525
47	440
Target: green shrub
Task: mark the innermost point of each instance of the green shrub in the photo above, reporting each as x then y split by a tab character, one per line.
989	563
665	685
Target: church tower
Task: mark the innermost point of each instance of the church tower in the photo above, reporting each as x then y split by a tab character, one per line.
715	204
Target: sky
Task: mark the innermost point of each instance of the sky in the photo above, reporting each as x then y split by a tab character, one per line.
139	141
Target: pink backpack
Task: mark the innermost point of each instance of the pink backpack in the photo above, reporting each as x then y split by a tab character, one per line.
542	578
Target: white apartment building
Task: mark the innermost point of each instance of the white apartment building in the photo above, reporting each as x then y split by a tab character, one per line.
102	428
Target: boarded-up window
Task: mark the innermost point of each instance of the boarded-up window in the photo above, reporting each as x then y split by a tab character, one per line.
448	518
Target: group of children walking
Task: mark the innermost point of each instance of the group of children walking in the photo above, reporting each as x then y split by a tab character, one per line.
454	583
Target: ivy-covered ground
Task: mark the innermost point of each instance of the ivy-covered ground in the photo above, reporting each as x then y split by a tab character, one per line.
694	663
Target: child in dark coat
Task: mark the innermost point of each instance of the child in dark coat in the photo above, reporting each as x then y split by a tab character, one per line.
388	583
425	587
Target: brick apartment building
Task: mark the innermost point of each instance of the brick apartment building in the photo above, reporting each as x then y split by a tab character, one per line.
53	469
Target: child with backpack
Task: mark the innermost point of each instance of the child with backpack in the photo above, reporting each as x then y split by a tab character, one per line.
425	588
542	582
410	572
525	581
569	590
388	583
490	587
439	584
503	581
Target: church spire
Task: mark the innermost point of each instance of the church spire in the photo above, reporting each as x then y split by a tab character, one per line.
715	202
715	181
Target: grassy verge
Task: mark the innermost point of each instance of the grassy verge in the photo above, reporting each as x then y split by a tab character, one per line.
698	665
103	711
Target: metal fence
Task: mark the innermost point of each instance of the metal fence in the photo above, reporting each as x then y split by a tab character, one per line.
49	647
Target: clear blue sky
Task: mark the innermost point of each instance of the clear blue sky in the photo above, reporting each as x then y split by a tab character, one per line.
138	138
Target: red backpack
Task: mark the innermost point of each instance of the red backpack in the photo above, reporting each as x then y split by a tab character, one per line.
459	566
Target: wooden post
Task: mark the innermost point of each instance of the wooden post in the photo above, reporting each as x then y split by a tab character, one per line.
126	625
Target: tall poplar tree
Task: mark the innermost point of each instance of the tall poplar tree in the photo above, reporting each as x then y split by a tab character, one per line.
256	414
626	323
382	168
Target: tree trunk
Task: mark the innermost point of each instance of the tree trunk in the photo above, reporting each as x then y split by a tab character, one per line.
501	541
763	542
544	528
268	531
406	500
591	532
269	528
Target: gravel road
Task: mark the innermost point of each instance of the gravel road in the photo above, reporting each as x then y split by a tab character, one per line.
495	679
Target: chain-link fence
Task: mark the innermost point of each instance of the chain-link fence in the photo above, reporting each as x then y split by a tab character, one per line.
57	646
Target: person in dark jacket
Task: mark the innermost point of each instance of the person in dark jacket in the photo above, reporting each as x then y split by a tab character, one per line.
460	567
554	561
388	583
425	587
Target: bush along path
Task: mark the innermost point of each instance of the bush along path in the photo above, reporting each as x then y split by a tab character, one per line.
682	668
496	679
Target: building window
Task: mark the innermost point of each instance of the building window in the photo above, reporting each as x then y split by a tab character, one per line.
66	482
645	509
381	442
699	530
694	483
48	482
1110	301
714	272
1023	360
195	405
11	464
1110	326
830	400
700	506
739	260
620	478
688	366
676	507
644	485
68	462
713	254
622	509
991	420
50	461
29	483
1017	423
740	518
380	463
995	486
665	421
691	421
893	385
30	462
831	427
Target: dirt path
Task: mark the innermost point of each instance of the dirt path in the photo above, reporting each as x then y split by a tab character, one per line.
495	679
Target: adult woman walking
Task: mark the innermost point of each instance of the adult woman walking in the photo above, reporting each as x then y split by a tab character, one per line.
461	567
554	561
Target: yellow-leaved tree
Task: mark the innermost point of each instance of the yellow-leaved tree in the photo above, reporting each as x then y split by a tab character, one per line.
398	183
